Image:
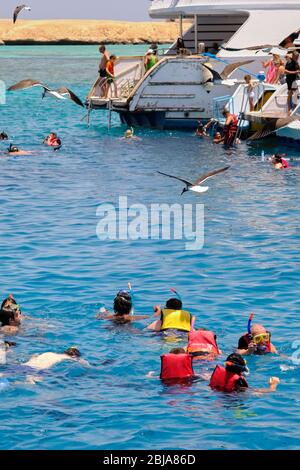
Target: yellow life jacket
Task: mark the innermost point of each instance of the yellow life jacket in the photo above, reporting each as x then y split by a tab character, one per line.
176	319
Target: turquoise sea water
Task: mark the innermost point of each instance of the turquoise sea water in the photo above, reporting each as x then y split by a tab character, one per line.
61	274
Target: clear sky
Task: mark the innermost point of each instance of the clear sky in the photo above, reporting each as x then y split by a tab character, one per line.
130	10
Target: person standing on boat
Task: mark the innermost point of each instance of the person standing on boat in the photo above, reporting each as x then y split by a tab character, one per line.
291	71
273	66
230	128
150	60
102	70
250	91
110	73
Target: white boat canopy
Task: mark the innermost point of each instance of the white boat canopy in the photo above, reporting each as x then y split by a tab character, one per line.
173	8
266	27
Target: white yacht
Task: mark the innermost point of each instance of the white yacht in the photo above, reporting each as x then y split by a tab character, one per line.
178	91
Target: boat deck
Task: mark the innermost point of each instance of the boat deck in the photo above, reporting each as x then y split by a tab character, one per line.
261	116
95	102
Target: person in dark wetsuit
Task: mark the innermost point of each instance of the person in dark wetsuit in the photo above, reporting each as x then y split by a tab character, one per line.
291	72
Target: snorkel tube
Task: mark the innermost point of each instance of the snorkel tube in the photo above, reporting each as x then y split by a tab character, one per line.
176	293
132	301
179	298
249	325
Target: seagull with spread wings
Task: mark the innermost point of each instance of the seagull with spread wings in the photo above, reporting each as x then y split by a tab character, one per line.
196	186
18	10
62	93
227	72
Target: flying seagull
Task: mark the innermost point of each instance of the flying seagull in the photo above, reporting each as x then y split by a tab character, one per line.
196	186
18	10
251	48
228	70
61	94
272	127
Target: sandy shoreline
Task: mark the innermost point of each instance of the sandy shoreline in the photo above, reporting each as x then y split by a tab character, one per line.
86	32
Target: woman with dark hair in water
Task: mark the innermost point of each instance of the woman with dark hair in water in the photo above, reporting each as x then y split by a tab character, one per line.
123	308
10	314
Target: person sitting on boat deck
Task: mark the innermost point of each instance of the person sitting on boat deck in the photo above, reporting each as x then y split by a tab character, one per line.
180	46
230	127
123	308
172	318
291	72
110	73
102	70
10	315
279	162
231	377
258	342
215	48
3	136
52	140
150	60
202	344
12	149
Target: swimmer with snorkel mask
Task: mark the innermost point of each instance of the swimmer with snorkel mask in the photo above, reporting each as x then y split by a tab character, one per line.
123	309
256	341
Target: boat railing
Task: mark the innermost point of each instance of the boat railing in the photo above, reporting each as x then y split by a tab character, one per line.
219	104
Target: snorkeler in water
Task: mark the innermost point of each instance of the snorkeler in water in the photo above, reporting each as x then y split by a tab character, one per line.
257	342
123	310
50	359
13	150
52	140
231	378
175	365
10	315
35	367
173	319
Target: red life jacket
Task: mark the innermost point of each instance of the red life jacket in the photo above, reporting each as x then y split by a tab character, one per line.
224	380
202	341
230	131
176	366
54	142
284	163
267	349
